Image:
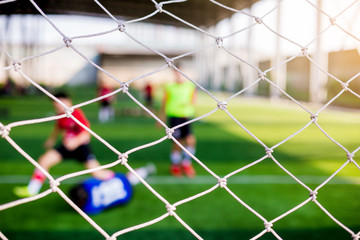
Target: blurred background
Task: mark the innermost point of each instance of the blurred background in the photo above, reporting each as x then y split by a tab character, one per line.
334	48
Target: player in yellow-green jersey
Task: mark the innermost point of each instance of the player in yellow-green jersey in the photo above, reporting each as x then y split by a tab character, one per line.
178	105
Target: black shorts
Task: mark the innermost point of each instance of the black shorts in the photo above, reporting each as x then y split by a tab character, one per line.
182	132
149	100
82	154
105	103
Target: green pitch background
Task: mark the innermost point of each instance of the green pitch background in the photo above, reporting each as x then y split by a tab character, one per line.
222	145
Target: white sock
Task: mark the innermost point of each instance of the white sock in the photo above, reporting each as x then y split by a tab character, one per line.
34	186
175	157
143	172
187	157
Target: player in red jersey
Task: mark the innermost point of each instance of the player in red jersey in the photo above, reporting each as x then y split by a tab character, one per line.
74	145
106	111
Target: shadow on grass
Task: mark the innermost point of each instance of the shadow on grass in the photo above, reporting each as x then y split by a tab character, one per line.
309	234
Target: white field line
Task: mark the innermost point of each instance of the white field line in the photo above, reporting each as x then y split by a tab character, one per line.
169	180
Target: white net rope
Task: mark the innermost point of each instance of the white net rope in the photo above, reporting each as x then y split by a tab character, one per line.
219	105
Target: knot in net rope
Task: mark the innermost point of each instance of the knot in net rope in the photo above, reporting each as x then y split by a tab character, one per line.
222	105
123	158
313	195
54	185
222	182
17	66
4	130
69	111
268	226
171	209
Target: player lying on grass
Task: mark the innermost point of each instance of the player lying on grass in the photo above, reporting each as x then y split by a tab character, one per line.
74	145
94	196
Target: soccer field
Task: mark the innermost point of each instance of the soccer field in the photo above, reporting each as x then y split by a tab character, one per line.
223	146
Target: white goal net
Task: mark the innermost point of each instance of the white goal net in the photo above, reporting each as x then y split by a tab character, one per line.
223	41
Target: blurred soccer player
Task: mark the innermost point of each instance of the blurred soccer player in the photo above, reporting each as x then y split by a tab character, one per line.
94	196
106	111
74	145
178	105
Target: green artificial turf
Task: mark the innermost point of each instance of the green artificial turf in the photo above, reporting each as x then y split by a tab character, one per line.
224	146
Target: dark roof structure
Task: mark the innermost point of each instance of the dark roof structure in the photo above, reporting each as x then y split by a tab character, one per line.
197	12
